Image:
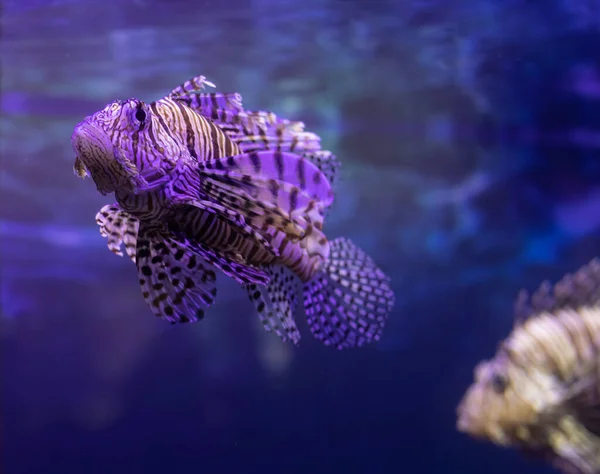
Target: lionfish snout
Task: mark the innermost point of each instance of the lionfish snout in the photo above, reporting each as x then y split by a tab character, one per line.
94	154
469	418
464	419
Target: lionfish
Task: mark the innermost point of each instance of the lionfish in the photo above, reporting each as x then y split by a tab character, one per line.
201	184
541	391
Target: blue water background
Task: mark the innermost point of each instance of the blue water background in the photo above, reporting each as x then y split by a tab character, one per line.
469	134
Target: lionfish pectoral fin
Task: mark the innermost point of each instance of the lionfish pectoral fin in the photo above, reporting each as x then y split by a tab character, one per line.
573	291
348	301
290	179
282	191
176	281
119	228
234	196
275	303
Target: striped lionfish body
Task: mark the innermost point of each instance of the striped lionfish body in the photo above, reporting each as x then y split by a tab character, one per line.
202	185
541	392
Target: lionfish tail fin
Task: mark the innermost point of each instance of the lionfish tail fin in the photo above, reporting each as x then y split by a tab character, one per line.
276	301
347	303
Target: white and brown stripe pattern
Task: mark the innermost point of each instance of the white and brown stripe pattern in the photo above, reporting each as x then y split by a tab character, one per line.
541	391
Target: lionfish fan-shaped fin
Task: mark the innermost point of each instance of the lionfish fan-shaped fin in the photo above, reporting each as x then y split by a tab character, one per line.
581	288
238	197
275	303
119	228
348	302
177	283
287	176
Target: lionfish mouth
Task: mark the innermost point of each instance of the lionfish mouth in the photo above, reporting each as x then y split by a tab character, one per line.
474	419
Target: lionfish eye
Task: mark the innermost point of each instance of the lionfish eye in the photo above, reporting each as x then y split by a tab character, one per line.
140	114
499	383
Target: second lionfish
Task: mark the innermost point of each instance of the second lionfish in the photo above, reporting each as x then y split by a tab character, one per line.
541	391
203	184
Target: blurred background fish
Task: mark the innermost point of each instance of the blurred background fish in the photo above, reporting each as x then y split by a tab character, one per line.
541	391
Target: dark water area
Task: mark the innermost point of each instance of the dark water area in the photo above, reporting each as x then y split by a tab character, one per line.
469	135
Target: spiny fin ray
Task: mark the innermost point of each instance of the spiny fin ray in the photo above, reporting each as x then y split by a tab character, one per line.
275	303
278	172
176	282
238	197
581	288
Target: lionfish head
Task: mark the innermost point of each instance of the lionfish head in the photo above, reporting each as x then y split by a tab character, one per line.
102	144
503	405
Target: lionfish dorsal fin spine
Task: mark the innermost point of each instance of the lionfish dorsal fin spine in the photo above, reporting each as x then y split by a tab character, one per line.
574	290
